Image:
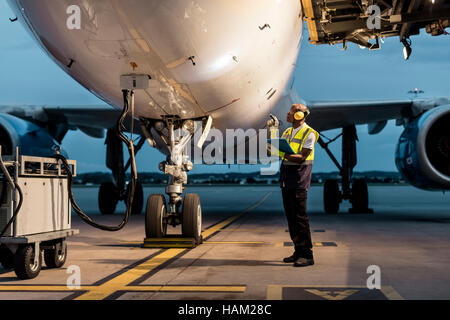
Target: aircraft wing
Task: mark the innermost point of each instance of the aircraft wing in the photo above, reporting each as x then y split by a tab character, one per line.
327	115
338	114
91	119
332	115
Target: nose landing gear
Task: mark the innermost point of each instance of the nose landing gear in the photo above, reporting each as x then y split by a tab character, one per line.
186	212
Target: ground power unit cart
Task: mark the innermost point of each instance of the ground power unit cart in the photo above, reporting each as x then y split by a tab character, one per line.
35	213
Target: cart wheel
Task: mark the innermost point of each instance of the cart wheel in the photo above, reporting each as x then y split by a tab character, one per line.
24	265
55	258
6	258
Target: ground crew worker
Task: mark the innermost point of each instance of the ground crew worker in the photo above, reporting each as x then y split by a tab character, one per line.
295	180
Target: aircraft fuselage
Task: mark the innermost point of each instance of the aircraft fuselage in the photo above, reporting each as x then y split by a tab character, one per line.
226	58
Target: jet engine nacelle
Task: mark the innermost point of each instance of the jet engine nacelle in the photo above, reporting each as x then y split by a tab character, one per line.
423	151
31	139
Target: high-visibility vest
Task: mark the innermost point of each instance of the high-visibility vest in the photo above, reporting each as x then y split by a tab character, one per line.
297	142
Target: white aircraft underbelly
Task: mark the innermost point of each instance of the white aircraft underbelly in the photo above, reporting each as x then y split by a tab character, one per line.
242	52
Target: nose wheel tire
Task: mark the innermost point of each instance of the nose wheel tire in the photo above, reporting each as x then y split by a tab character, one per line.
156	211
55	258
192	217
331	196
138	199
108	196
24	265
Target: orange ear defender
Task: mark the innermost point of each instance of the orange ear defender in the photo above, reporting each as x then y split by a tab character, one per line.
299	115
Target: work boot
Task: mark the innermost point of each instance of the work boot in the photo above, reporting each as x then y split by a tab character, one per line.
303	262
290	259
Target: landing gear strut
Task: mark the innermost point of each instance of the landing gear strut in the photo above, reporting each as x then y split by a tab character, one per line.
186	212
357	191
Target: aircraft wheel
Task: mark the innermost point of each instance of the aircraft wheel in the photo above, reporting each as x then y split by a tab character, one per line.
192	217
155	224
138	199
24	265
331	196
55	258
360	197
6	258
108	196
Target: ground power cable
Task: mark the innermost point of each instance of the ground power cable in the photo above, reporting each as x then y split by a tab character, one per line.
129	143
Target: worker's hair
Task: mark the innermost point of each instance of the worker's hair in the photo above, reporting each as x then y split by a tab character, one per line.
300	107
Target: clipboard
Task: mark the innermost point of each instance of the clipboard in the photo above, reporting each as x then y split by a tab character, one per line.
283	145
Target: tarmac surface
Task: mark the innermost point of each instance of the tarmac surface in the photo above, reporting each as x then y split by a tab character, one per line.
244	228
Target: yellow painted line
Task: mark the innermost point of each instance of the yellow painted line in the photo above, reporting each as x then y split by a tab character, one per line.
129	242
42	288
219	226
315	244
175	288
234	242
274	292
318	244
391	293
205	288
119	282
166	245
325	294
246	230
258	203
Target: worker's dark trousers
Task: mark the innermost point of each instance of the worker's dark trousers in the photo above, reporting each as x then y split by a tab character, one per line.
294	201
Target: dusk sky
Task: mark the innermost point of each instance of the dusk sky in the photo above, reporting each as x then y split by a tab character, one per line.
325	72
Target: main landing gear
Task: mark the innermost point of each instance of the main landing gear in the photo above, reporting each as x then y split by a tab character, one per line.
187	211
112	192
357	193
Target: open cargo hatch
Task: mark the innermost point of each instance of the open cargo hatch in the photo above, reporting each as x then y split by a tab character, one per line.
364	22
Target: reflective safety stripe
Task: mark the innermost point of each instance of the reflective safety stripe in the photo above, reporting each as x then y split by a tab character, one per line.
297	142
304	136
